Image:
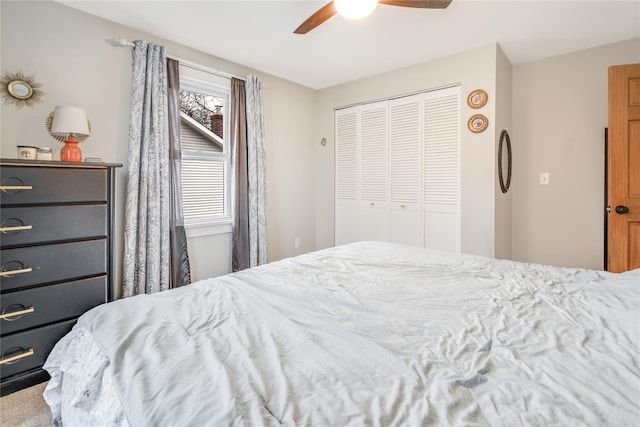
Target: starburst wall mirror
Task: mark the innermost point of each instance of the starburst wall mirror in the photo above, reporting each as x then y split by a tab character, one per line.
20	90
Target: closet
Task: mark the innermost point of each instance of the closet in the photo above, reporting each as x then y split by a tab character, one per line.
398	171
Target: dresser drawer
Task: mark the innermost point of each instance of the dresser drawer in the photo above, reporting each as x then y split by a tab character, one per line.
52	263
49	304
30	348
52	223
52	185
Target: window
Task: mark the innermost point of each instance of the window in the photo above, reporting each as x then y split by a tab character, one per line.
205	152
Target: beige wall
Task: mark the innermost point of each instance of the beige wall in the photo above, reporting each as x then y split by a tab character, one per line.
555	110
475	69
66	50
557	124
559	117
504	201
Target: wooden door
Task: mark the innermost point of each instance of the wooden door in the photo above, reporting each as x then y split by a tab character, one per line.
623	251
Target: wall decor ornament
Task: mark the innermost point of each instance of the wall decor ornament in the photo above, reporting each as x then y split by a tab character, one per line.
478	123
504	160
20	90
478	98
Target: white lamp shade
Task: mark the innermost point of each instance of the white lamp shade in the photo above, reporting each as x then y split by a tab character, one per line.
70	120
355	9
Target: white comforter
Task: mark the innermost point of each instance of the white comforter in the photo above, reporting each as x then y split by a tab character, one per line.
368	334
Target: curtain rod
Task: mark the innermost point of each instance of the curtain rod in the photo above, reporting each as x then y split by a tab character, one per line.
124	42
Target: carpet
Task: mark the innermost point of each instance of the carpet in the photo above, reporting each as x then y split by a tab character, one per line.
25	408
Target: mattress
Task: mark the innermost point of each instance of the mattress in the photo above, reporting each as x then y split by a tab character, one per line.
365	334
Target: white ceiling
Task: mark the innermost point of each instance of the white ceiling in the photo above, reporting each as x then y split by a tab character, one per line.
259	34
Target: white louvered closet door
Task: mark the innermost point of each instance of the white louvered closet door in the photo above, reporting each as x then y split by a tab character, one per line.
441	169
346	175
373	177
398	171
405	175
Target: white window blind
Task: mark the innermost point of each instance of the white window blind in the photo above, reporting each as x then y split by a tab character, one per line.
203	188
205	154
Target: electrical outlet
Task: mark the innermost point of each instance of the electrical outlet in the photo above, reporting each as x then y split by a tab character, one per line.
544	178
296	243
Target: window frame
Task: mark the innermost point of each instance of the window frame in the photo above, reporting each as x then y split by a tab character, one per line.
214	223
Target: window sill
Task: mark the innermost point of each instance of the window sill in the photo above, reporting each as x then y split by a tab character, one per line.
208	229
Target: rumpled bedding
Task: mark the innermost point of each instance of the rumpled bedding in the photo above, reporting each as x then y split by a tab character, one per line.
365	334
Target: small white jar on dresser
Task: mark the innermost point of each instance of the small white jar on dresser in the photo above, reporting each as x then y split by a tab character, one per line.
56	258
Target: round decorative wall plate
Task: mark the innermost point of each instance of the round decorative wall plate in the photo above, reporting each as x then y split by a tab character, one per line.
478	123
477	98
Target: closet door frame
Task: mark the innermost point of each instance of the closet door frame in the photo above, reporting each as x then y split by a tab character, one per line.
376	197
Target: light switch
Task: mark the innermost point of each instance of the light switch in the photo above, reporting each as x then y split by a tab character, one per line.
544	178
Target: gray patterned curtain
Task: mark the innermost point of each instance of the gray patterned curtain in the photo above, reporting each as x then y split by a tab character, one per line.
256	173
180	267
147	206
247	136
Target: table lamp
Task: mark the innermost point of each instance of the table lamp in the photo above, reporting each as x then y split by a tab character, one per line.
69	125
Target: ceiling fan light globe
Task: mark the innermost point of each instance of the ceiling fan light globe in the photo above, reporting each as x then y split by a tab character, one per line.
355	9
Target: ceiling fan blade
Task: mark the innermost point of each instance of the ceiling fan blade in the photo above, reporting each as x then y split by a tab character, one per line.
321	15
424	4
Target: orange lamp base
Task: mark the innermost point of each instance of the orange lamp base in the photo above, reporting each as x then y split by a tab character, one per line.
71	152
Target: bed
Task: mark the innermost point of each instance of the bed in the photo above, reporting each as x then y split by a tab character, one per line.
365	334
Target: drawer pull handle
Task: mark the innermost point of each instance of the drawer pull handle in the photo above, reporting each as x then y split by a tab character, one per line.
10	273
7	188
15	228
17	357
17	313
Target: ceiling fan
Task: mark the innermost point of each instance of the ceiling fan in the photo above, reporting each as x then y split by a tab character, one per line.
333	7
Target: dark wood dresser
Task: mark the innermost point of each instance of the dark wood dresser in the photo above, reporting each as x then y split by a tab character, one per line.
55	258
